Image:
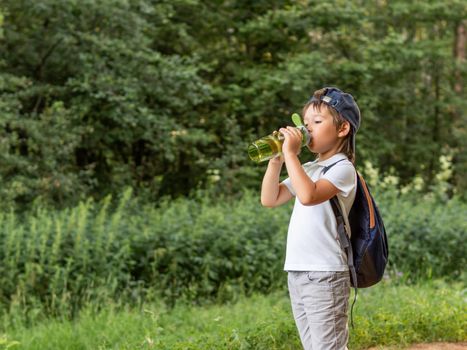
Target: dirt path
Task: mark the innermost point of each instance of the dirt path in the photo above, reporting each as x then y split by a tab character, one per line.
431	346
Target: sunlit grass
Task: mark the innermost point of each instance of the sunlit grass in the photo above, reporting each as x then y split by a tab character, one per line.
387	314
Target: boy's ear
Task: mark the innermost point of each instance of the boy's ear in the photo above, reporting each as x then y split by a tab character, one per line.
344	130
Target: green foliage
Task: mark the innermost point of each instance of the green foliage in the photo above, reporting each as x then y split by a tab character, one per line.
96	96
183	250
197	250
425	229
426	240
386	314
88	106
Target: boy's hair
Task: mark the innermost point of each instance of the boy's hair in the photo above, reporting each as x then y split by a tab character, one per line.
338	120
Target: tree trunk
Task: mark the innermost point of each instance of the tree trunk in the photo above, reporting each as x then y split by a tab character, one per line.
458	115
459	55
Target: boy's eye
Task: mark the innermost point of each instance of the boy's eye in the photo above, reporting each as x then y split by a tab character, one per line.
317	121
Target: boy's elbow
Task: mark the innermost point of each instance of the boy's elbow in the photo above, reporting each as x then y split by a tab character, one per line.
307	200
312	201
308	197
267	204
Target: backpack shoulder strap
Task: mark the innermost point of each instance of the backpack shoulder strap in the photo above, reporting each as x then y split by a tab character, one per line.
346	245
326	168
344	239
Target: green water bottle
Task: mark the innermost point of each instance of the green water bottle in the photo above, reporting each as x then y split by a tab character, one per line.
270	146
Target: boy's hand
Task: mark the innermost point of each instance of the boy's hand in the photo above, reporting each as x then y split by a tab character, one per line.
292	140
277	160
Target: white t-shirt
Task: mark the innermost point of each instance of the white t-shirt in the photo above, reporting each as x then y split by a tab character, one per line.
312	239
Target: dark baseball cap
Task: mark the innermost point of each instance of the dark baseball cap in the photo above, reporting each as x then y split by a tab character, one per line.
345	104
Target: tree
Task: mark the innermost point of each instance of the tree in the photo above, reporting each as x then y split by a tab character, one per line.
165	96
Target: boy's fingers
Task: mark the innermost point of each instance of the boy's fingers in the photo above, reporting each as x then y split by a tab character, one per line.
290	131
294	131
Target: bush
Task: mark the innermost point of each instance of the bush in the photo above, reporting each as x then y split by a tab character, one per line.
191	250
183	250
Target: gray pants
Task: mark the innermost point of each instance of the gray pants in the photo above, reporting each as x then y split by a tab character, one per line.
320	301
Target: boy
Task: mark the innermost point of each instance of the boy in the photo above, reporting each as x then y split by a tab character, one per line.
318	275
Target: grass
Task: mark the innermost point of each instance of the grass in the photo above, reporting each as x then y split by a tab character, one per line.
387	314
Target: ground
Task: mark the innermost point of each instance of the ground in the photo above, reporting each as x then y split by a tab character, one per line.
431	346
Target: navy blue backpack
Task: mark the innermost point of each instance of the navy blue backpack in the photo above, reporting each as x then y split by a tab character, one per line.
367	248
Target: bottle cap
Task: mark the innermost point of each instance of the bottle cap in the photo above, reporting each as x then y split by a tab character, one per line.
297	120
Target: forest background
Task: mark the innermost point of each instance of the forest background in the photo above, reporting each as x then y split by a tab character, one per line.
125	184
164	96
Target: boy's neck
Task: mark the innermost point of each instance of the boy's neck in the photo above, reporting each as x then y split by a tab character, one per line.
326	155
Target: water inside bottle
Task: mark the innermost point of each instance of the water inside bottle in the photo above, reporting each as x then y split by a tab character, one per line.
265	148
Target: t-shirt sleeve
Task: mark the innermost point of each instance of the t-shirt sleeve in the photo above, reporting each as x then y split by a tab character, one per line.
288	183
343	177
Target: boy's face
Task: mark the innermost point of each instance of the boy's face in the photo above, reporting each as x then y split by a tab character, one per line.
320	124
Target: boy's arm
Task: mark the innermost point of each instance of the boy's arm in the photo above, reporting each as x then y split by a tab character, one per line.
307	191
273	193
